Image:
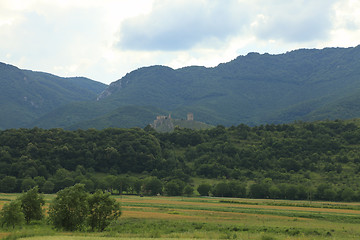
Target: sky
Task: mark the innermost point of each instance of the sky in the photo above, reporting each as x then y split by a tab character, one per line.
106	39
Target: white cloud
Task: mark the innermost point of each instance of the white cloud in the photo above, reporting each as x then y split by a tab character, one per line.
181	25
293	21
106	39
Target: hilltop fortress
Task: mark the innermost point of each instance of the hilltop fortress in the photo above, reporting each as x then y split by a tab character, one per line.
166	121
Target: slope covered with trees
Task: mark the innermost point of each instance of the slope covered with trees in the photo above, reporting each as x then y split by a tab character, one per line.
316	160
26	95
254	89
305	84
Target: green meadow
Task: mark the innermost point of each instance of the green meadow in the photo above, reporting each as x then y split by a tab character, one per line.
210	218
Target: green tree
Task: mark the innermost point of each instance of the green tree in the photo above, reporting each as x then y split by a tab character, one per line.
31	203
27	184
347	195
274	192
89	185
222	189
11	214
103	209
39	180
152	186
137	185
323	191
48	187
204	189
237	189
8	184
175	187
259	190
188	190
69	209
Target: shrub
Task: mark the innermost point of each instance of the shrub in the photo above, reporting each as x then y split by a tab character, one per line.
103	210
204	189
69	209
31	203
11	214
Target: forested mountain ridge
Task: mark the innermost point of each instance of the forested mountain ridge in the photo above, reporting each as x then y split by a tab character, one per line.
26	95
292	161
254	89
304	84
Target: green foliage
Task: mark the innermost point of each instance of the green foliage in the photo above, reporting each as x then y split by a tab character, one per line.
48	187
174	187
11	214
27	95
204	189
31	205
69	210
73	209
253	89
27	184
152	186
315	160
8	184
188	190
103	210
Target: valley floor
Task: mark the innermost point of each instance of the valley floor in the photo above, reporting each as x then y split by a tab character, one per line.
213	218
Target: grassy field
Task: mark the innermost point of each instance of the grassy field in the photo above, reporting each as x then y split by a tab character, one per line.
212	218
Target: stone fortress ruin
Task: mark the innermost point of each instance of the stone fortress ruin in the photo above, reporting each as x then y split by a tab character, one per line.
162	119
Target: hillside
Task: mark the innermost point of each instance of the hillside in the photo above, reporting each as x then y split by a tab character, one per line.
305	84
26	95
252	89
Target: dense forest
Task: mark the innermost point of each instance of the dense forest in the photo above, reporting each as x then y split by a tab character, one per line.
27	95
301	160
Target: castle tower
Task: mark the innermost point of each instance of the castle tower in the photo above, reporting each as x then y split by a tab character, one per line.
190	117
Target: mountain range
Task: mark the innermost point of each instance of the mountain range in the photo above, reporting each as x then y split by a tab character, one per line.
305	84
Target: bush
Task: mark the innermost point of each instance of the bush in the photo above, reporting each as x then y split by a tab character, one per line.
204	189
152	186
31	203
8	184
174	187
103	210
69	209
11	214
188	190
73	209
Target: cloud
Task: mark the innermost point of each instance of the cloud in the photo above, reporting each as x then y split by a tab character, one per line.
105	39
293	21
180	25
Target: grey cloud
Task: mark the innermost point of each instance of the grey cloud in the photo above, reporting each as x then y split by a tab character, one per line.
294	21
179	25
182	24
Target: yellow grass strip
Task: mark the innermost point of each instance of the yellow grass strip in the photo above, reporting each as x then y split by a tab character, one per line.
207	204
4	234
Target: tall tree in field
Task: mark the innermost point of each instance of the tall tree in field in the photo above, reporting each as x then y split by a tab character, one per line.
11	214
31	205
103	209
69	209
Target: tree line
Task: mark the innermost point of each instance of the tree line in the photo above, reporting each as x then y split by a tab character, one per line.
322	157
72	209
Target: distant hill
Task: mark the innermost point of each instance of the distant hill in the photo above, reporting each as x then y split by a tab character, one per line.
126	117
305	84
26	95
